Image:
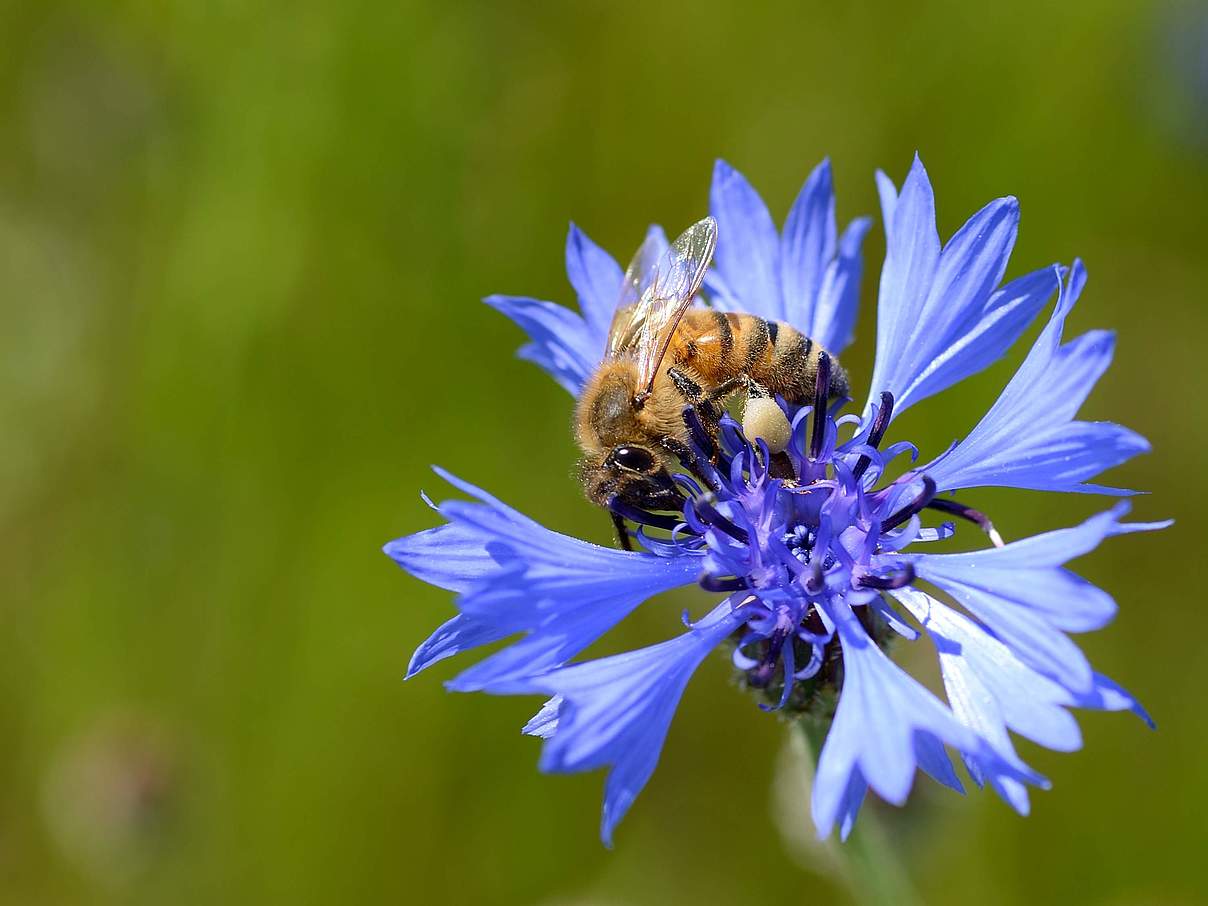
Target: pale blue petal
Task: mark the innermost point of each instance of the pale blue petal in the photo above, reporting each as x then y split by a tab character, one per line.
596	277
565	596
720	295
1028	439
807	249
544	723
615	711
940	316
848	807
989	688
884	718
935	763
562	343
992	691
808	278
1057	460
971	265
544	572
514	575
988	333
1012	791
912	255
1108	696
887	192
453	557
748	246
457	635
834	319
550	644
1022	592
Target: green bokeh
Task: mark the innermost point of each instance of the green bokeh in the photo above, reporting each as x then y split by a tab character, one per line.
243	246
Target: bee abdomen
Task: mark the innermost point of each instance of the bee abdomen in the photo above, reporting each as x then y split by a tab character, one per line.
789	365
719	346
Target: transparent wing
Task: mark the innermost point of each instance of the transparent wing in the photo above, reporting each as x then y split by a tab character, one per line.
626	320
664	291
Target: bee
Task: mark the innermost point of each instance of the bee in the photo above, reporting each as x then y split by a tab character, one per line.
664	354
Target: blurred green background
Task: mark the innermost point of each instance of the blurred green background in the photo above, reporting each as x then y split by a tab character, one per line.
241	251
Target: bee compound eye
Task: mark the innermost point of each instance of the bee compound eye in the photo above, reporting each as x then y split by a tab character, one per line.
634	458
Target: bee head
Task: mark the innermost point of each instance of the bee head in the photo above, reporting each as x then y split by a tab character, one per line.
623	457
634	474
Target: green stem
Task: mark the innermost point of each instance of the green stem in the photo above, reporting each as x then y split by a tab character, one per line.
870	866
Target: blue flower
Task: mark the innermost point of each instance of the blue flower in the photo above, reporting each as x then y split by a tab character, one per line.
818	554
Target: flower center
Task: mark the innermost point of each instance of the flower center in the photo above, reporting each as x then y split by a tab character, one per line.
789	535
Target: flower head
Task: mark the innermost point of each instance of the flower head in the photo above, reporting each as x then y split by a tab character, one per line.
818	555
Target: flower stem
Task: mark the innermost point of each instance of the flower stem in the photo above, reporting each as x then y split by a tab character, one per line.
867	859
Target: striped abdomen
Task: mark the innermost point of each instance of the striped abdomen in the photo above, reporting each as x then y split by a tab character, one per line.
718	346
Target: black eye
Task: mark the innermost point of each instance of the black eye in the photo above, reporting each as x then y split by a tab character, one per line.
634	458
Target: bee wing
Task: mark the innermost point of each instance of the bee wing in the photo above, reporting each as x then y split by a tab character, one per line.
628	317
644	327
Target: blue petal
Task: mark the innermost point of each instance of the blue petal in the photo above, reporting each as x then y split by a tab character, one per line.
550	644
748	246
615	711
563	592
934	761
808	247
455	636
544	723
545	573
971	265
1028	439
839	298
452	557
849	803
596	277
514	575
1107	696
885	719
940	319
912	254
720	295
563	344
1025	596
992	691
986	334
988	686
887	192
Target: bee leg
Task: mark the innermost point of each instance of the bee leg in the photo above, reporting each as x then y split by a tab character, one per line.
622	532
719	393
702	432
690	461
708	405
690	390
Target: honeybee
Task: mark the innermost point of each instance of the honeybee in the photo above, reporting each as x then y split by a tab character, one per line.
665	354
